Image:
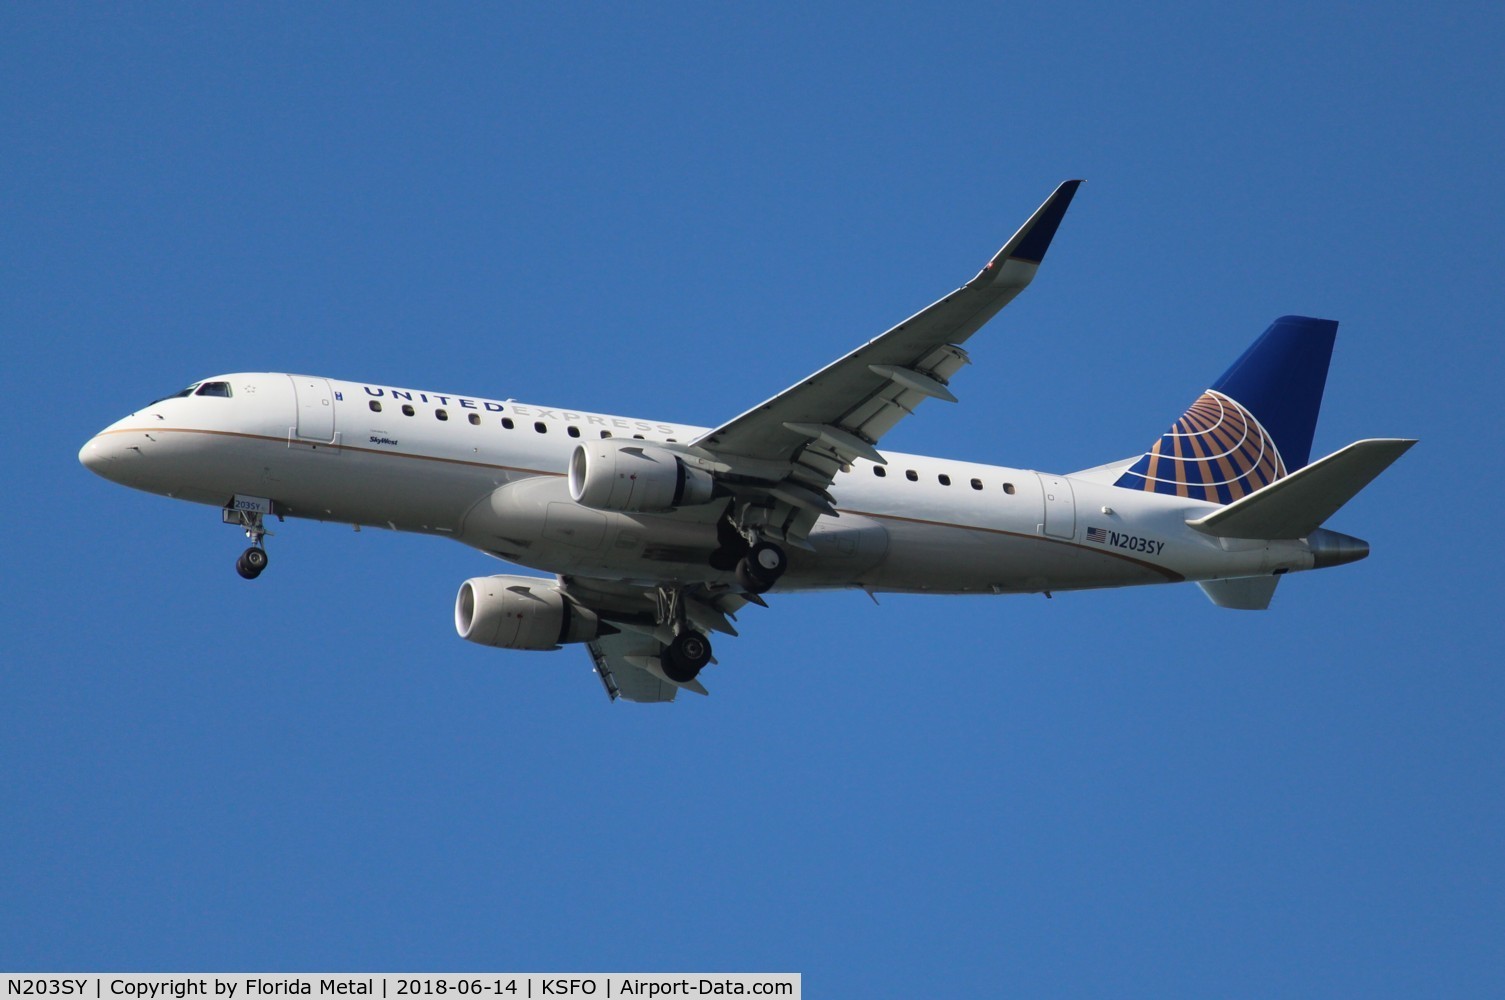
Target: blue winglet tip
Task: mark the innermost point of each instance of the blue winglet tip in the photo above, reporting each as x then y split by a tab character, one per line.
1045	222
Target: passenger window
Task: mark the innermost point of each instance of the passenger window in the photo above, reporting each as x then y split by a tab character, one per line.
475	419
540	427
441	414
1008	488
507	423
606	434
879	471
639	437
214	389
911	475
977	484
945	480
407	409
574	432
375	406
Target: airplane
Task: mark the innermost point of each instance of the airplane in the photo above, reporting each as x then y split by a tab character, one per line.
658	533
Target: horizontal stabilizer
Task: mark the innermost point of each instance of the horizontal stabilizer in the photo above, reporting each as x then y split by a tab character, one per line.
1248	593
1295	506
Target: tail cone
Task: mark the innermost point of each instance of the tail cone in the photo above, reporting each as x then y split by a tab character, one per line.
1333	548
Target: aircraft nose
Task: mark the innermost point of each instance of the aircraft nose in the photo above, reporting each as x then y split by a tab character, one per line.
104	454
94	455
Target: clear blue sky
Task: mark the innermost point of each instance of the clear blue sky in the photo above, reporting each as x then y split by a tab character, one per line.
676	211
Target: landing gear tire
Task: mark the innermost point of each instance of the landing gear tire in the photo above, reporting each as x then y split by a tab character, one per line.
685	655
761	568
251	562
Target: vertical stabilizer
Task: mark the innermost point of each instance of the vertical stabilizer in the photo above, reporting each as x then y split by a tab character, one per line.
1254	426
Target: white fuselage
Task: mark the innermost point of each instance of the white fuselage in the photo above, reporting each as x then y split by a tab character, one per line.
491	474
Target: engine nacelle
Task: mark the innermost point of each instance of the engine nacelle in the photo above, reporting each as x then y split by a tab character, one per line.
521	612
627	476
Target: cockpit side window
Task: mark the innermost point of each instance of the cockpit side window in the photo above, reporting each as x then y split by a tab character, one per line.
214	389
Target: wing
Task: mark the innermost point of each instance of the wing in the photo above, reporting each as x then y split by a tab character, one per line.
628	662
791	447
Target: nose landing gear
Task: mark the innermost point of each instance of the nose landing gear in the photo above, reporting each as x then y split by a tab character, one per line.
249	513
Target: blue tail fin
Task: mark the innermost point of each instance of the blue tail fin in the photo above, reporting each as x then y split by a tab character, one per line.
1253	426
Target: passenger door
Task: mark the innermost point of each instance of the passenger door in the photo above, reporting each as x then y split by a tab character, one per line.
315	421
1060	506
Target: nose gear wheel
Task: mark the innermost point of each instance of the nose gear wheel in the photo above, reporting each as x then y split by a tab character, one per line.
251	562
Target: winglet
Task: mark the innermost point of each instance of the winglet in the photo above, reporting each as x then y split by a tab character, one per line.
1029	244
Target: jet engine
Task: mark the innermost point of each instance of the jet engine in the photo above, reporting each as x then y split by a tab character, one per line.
522	612
626	476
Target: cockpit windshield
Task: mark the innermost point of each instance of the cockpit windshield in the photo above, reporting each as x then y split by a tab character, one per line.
221	389
177	395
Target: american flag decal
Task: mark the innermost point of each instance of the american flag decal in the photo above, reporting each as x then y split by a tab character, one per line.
1097	535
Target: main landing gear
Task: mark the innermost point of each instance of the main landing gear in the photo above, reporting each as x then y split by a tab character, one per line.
249	514
686	653
761	568
689	650
757	563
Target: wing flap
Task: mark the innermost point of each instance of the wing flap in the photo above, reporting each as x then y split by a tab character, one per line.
622	678
628	666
